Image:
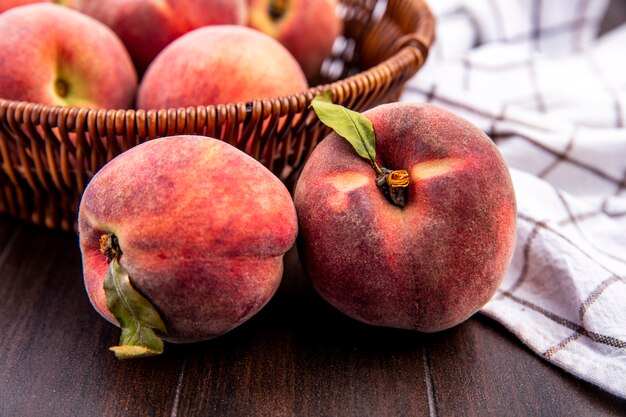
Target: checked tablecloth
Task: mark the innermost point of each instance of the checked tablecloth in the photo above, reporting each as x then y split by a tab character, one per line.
535	76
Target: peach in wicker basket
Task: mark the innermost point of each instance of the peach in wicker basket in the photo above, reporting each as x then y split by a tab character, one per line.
48	154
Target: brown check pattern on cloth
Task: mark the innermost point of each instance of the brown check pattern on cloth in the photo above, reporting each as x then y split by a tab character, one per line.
535	77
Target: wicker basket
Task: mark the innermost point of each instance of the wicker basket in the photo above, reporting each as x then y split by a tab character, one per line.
48	154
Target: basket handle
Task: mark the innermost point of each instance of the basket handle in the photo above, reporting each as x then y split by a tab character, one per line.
417	44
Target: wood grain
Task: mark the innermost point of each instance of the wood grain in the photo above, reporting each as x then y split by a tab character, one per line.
503	377
301	357
53	346
297	357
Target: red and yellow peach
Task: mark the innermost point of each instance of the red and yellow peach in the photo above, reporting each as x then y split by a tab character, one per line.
428	265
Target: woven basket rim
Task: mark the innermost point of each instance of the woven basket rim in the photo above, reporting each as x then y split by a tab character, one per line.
417	43
45	169
307	95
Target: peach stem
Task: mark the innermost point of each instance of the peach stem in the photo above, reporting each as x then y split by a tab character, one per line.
277	8
110	247
393	184
61	88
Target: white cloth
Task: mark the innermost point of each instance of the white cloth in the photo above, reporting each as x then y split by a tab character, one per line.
536	78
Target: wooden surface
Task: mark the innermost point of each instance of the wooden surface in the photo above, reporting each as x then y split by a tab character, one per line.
297	357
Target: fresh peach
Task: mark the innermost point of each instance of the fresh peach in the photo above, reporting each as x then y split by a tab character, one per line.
9	4
202	229
219	64
430	264
148	26
56	56
307	28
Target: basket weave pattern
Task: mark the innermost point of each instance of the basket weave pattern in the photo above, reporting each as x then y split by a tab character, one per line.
48	154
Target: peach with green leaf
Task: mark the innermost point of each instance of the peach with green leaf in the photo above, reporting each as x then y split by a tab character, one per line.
411	221
182	239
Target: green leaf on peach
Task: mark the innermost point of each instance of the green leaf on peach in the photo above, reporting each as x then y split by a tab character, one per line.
137	316
350	125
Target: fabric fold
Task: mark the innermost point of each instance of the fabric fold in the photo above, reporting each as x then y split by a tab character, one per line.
536	78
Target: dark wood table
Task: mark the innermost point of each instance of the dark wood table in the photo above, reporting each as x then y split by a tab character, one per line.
297	357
